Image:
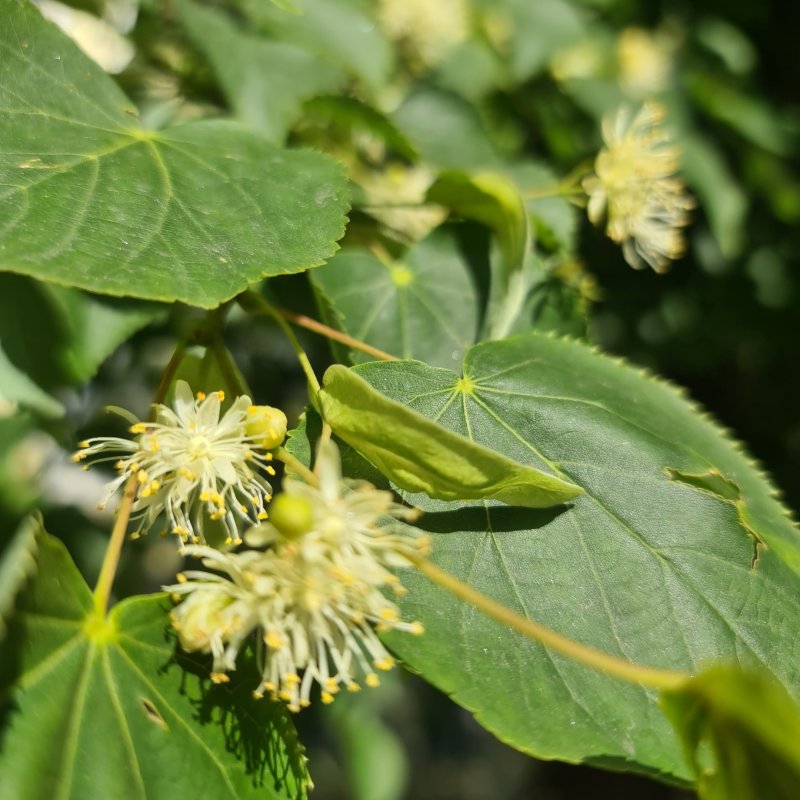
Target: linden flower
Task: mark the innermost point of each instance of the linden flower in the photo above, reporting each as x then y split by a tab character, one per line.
425	29
314	597
636	189
190	464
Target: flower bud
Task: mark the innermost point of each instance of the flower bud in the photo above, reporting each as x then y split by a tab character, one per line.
267	425
291	515
198	617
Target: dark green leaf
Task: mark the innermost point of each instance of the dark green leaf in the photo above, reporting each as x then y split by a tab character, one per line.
643	565
266	82
445	130
192	213
17	388
490	198
420	456
741	731
398	307
105	708
17	564
338	31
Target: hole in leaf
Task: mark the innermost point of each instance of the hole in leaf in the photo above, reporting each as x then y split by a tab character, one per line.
712	482
153	714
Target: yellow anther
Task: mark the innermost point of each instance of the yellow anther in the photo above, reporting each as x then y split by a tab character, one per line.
269	470
188	474
221	396
291	678
84	444
326	697
76	457
286	695
205	496
218	499
153	445
141	476
85	467
217	515
219	677
274	640
416	629
331	685
385	664
372	680
293	707
101	506
257	695
155	486
304	703
243	508
269	686
120	466
262	515
181	578
135	535
389	614
139	427
353	687
201	395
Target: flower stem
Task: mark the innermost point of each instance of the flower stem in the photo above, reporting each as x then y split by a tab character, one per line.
251	301
227	367
333	334
282	454
590	656
102	590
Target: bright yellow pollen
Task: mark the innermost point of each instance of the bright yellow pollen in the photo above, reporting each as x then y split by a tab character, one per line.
274	640
326	697
139	427
221	396
385	664
416	629
141	476
219	677
201	395
372	680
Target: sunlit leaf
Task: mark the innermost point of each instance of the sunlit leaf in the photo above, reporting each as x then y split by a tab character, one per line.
645	566
398	307
192	213
105	708
419	456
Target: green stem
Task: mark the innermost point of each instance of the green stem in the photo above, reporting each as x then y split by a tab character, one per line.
569	185
251	301
227	367
597	659
295	464
102	591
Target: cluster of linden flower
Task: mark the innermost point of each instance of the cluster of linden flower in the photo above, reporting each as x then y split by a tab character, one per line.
311	599
636	189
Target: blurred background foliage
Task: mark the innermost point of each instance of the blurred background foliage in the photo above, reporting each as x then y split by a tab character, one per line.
400	90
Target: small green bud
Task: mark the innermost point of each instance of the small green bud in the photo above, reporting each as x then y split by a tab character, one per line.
291	516
267	425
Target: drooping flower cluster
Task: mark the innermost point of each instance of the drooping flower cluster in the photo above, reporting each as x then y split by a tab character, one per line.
425	30
192	466
313	597
635	188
